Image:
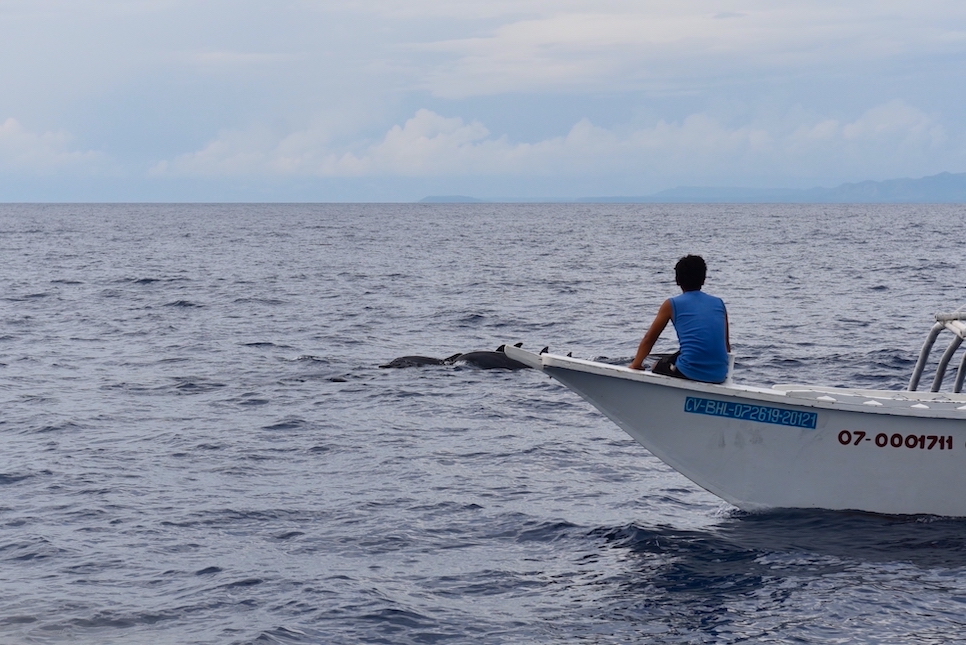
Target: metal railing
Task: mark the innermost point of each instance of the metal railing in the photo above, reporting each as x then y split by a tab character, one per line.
956	323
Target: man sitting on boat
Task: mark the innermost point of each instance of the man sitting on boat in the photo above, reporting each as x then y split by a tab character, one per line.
701	323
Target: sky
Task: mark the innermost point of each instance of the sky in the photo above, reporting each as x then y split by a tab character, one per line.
394	100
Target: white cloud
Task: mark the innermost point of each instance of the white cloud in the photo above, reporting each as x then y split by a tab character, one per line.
464	10
896	119
684	45
26	152
890	135
427	144
897	136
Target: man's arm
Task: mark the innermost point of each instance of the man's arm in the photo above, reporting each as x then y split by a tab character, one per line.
661	320
727	333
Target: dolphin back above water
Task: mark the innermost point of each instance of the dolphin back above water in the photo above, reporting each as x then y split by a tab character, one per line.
419	361
482	359
491	360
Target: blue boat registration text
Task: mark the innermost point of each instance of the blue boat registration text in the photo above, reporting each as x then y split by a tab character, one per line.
748	412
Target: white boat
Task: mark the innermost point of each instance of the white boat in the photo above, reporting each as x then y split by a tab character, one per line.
793	446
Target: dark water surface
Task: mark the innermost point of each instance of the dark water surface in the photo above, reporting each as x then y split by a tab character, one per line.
199	447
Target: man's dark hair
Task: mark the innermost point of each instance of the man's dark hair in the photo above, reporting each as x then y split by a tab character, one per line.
690	272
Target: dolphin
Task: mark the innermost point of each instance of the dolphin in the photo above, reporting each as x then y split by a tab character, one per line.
481	359
419	361
492	360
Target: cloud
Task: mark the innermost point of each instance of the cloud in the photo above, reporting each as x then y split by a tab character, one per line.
683	45
896	119
28	153
464	10
897	137
427	144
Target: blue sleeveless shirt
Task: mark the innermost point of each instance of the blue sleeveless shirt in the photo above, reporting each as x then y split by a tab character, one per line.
699	320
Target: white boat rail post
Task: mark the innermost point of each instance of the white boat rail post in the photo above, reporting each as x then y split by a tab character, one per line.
960	376
954	322
924	355
944	363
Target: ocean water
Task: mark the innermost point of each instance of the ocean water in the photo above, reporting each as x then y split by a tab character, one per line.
199	445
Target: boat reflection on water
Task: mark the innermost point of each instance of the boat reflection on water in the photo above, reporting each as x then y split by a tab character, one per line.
851	538
735	580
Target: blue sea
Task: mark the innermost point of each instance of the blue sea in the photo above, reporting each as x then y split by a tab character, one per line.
199	446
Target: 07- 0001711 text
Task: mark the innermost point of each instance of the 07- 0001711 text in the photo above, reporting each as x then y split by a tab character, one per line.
883	440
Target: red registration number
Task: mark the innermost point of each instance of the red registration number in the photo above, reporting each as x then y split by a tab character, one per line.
883	440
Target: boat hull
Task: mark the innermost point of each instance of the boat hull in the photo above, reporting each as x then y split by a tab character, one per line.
761	449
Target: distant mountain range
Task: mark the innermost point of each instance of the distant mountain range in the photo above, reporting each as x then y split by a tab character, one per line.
944	188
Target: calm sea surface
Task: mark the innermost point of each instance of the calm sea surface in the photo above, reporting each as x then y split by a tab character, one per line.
198	445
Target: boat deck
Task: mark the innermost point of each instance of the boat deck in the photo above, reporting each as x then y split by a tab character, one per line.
883	399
